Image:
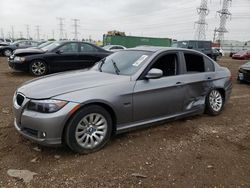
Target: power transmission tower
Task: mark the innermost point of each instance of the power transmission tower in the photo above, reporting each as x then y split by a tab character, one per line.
75	25
2	33
224	15
21	34
38	32
12	32
202	11
27	32
61	28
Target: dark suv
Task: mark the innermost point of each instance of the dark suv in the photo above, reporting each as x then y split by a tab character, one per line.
199	45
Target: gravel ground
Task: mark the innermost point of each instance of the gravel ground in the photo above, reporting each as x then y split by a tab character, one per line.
200	151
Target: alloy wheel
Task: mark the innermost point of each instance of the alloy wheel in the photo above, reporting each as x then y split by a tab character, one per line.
38	68
91	130
7	53
215	100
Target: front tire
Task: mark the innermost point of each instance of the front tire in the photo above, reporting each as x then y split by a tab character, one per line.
88	130
214	102
38	68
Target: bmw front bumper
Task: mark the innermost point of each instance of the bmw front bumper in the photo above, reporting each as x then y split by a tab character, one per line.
42	128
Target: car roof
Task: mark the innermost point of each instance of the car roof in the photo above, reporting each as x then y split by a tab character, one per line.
162	49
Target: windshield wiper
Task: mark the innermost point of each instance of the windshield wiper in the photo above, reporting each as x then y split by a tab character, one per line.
115	66
100	65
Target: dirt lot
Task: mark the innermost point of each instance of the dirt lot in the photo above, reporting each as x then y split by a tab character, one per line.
201	151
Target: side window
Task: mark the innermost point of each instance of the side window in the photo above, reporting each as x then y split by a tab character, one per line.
22	44
70	47
192	44
87	48
194	63
209	65
168	64
34	44
200	44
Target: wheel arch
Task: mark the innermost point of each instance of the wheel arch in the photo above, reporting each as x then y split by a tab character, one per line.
104	105
39	59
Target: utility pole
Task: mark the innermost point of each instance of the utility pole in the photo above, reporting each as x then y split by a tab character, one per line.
37	32
28	32
202	11
224	15
61	28
75	25
12	32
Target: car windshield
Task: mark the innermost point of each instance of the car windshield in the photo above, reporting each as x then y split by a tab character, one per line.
51	47
124	62
44	44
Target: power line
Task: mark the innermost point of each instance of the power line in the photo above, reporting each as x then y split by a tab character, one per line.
202	11
12	32
27	31
76	25
61	28
38	32
224	15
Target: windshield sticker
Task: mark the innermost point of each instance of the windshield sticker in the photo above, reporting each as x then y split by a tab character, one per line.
140	60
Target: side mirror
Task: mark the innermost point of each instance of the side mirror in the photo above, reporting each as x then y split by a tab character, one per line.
17	45
190	47
154	74
60	51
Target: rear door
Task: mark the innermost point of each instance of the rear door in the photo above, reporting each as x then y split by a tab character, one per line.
159	98
199	74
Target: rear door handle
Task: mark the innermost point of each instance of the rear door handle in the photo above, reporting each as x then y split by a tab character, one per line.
209	78
178	83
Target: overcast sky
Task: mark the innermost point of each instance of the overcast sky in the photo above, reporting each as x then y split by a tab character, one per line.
155	18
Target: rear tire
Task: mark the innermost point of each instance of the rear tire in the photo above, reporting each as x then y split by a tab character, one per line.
38	68
214	102
88	130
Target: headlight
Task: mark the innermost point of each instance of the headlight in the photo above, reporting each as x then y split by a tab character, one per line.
242	70
21	59
46	106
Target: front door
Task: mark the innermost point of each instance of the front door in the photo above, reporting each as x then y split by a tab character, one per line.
162	97
66	57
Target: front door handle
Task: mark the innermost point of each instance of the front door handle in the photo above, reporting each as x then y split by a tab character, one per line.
209	78
178	83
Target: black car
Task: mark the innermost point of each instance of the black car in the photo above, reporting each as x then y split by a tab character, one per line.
244	73
9	49
199	45
58	56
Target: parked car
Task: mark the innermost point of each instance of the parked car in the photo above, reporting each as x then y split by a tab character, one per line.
114	48
244	73
243	54
199	45
215	54
5	41
59	56
126	90
220	50
8	50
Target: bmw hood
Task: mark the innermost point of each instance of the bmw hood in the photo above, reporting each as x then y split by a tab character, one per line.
62	83
246	66
28	51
